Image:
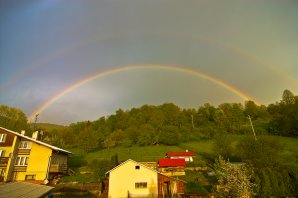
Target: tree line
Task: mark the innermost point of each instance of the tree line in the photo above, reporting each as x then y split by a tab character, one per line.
167	124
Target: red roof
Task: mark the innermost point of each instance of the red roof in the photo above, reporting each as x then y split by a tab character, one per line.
171	162
181	154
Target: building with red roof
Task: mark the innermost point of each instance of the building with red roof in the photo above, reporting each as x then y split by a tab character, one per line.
167	162
186	155
172	167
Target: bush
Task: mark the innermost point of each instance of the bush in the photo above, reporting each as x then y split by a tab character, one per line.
77	161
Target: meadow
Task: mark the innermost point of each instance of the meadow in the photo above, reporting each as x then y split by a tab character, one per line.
82	162
203	148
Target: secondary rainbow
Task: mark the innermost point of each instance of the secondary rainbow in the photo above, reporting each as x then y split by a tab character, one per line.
140	67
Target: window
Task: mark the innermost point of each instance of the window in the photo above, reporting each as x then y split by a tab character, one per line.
137	167
141	185
2	137
22	161
30	177
2	153
25	145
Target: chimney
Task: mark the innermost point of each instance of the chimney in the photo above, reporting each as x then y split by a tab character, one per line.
35	135
23	132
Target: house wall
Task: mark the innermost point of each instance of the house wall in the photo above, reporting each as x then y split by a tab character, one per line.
122	181
38	163
7	146
186	158
11	161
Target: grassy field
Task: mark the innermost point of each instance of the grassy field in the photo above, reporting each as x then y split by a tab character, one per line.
289	154
141	154
203	148
47	127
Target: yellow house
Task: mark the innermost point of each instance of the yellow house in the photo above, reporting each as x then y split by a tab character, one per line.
24	158
133	179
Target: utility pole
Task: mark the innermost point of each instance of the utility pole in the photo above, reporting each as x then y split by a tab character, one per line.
35	120
192	122
252	127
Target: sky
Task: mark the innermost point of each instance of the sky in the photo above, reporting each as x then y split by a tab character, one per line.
80	60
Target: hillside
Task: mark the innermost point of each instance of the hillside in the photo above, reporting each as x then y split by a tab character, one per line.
47	126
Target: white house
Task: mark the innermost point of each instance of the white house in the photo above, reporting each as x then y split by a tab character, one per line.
133	179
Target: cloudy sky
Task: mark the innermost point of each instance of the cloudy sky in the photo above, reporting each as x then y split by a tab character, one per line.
82	59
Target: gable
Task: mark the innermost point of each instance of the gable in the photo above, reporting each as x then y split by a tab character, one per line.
131	164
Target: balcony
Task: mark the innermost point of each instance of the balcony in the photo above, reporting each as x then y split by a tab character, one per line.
24	151
58	168
4	161
20	168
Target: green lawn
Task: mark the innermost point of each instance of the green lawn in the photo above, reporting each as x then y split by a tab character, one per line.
201	147
140	154
152	153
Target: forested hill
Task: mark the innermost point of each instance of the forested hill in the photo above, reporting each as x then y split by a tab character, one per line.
168	124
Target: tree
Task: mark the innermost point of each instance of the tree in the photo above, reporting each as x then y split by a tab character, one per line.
251	109
284	115
88	139
114	139
288	97
260	153
13	118
147	135
172	113
169	135
279	181
234	113
222	146
233	180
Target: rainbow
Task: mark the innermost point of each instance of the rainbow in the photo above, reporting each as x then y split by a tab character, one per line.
190	71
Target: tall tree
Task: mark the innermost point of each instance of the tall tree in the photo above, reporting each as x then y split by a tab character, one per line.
222	146
288	97
88	139
169	135
13	118
251	109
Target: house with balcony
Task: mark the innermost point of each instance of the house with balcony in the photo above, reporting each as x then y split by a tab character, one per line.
24	158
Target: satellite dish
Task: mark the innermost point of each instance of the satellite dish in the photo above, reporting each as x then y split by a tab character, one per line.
45	181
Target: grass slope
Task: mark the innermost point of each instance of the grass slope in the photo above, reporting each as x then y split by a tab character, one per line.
152	153
47	126
289	154
140	154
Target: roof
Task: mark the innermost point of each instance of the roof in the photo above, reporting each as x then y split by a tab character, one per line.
23	189
165	162
37	141
135	163
181	154
143	166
